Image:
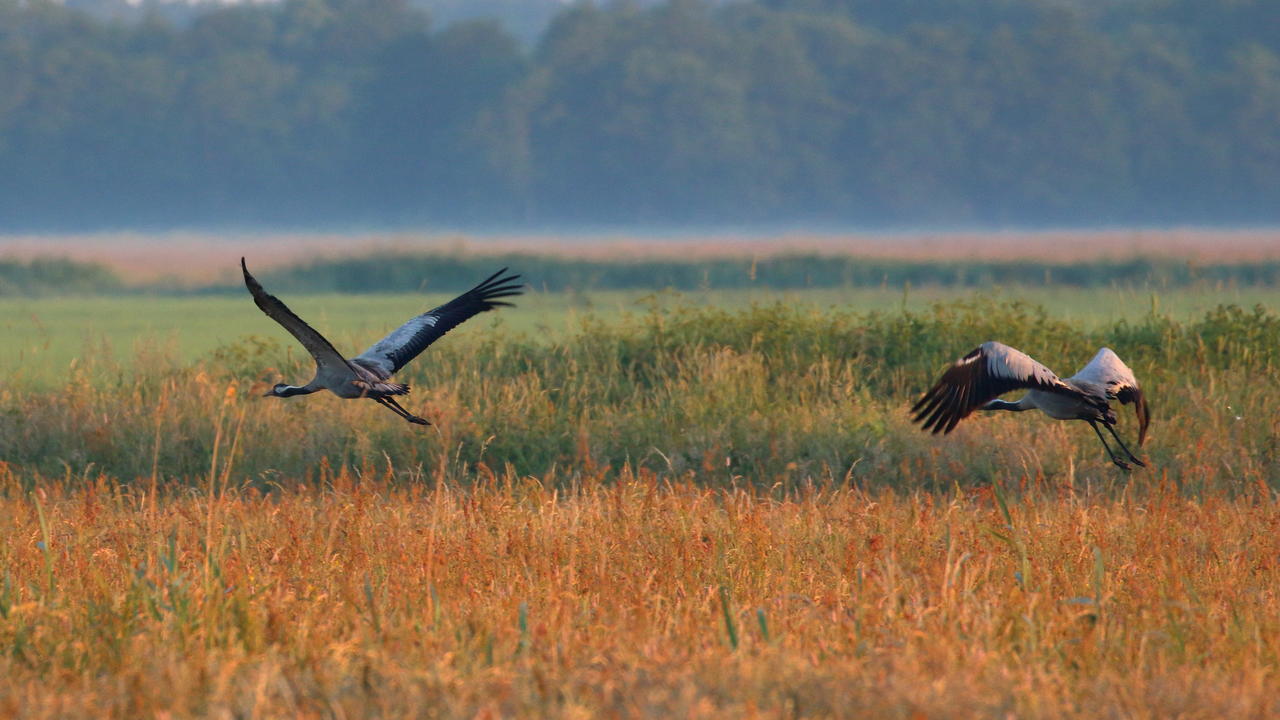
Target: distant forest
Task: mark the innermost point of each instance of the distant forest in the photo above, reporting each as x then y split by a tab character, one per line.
823	112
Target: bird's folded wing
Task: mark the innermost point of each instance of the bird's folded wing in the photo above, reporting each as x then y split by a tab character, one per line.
989	371
404	343
326	356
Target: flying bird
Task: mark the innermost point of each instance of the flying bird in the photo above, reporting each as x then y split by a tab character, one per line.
367	375
992	369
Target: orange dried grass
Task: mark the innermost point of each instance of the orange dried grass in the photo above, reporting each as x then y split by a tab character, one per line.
521	596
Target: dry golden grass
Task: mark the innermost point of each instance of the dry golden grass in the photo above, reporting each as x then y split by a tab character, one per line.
633	598
201	258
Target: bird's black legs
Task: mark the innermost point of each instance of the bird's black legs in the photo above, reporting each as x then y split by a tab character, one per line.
1119	463
1132	457
384	404
394	407
407	415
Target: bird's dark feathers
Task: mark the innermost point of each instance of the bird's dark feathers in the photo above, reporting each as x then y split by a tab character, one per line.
320	348
406	342
984	374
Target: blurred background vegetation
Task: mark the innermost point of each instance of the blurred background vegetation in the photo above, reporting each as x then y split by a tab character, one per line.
410	272
874	112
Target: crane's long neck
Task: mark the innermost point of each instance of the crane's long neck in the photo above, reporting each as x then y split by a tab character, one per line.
1023	403
291	390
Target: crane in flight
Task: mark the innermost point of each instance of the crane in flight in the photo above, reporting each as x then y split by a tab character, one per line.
367	375
975	381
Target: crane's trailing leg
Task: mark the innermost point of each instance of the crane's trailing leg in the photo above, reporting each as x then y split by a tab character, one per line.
1132	457
1119	463
408	415
395	408
390	404
384	404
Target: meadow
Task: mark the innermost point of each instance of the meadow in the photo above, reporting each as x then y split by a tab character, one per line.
698	504
46	337
636	596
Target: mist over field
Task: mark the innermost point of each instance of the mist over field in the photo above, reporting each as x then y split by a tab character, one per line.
778	113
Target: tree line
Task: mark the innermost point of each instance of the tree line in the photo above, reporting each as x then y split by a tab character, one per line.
822	112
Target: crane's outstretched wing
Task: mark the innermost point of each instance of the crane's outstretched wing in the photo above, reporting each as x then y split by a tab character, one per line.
404	343
315	343
1107	370
989	371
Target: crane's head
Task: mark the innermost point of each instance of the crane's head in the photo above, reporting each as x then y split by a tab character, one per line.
280	390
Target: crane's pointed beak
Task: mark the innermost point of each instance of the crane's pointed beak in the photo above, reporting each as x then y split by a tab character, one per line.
269	393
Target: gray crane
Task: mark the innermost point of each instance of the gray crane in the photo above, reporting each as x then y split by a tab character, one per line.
992	369
367	374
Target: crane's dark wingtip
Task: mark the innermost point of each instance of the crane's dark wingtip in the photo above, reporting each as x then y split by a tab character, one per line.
919	404
489	280
249	280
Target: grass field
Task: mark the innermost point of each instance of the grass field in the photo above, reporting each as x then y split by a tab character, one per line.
635	597
700	505
44	336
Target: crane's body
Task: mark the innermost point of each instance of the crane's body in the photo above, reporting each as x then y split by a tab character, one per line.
1058	407
368	374
975	381
347	383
